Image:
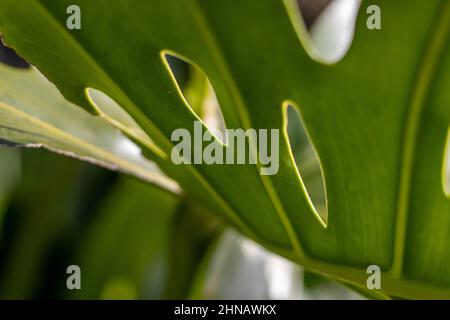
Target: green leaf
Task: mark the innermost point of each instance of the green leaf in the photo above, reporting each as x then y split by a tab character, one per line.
378	119
34	114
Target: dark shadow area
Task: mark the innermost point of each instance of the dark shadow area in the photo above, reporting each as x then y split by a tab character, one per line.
9	57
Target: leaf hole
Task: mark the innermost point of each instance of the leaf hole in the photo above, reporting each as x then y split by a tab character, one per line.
446	167
109	109
307	161
197	92
330	35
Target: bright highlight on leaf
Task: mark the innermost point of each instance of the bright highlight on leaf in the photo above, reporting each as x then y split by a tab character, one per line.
307	161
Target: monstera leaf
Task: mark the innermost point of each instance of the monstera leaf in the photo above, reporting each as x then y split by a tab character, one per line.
33	113
378	119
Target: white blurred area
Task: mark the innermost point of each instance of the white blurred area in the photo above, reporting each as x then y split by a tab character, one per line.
332	32
242	269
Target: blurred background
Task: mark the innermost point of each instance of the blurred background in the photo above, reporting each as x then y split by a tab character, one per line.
132	240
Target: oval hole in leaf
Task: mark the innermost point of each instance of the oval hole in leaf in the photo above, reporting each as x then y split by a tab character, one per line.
198	92
115	114
446	167
331	35
307	162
